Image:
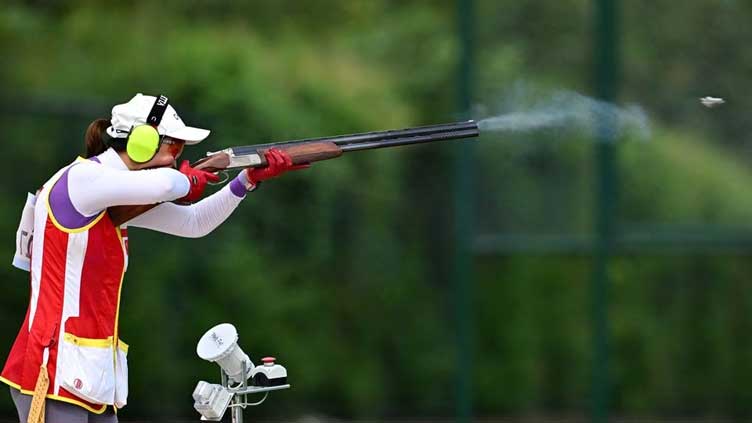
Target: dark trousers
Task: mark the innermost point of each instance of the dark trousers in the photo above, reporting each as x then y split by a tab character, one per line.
60	412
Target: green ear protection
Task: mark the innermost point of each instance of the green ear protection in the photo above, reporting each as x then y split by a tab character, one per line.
144	140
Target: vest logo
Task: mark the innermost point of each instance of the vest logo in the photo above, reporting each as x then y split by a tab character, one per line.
78	384
162	101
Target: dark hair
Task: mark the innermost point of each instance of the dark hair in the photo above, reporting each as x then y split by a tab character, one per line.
96	138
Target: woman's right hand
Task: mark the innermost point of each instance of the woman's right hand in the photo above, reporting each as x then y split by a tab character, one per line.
198	179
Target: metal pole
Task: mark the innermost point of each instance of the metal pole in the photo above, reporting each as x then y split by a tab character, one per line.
463	216
237	412
606	67
239	399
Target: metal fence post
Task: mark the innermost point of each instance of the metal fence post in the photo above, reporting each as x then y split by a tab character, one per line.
606	67
463	217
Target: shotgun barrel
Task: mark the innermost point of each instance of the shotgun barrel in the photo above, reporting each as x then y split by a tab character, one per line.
409	140
379	139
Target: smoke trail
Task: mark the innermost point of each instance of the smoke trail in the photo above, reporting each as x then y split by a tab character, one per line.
570	111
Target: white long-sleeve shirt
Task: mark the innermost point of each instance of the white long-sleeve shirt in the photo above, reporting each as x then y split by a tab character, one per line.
93	187
90	186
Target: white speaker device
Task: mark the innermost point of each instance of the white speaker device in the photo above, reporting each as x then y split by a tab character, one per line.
220	344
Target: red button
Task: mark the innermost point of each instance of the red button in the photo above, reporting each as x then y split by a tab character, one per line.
268	360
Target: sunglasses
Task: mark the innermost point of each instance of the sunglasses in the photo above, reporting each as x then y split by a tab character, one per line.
174	147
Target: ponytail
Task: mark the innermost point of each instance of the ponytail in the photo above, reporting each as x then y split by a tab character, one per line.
94	137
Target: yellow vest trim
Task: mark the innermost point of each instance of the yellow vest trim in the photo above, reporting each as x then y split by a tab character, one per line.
88	342
57	397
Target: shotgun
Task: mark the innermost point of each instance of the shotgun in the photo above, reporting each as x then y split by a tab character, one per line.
308	150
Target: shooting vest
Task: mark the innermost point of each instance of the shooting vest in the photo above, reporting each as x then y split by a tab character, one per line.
72	321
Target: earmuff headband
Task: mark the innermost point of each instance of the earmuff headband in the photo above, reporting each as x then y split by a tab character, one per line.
157	111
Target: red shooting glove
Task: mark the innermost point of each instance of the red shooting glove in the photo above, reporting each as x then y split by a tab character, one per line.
198	179
278	161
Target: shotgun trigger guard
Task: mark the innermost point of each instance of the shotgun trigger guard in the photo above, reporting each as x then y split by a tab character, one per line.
225	178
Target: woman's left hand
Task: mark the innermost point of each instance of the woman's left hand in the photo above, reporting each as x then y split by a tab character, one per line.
278	161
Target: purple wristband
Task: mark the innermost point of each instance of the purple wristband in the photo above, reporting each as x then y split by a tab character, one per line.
238	187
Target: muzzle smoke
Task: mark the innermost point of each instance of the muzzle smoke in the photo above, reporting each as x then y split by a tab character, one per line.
566	111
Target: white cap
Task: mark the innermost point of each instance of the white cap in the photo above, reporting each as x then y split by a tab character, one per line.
135	112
